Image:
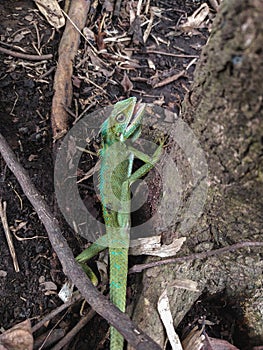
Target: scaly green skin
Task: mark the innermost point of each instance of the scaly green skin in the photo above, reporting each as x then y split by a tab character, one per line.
116	176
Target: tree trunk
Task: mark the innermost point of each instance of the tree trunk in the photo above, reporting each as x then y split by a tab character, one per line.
224	109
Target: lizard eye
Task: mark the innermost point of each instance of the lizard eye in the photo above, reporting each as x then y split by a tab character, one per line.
120	118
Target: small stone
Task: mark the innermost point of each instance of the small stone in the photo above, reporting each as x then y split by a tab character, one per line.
3	273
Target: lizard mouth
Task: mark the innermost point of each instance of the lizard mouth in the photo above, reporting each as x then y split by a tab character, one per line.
137	111
137	106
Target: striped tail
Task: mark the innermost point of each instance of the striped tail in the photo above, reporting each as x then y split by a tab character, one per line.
118	284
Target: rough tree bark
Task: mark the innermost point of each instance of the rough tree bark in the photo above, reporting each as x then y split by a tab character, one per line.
224	109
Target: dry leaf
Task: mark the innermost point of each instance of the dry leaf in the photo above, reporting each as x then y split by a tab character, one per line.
152	246
76	81
89	34
197	17
51	10
29	18
167	319
20	36
66	292
3	273
215	4
99	41
151	64
96	61
160	101
126	83
185	284
194	340
18	337
32	157
48	285
136	31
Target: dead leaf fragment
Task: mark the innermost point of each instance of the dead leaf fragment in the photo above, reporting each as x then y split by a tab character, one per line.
126	83
32	157
3	273
185	284
151	64
194	340
152	246
99	41
29	18
48	285
18	337
89	34
136	31
167	319
20	36
66	292
197	17
215	4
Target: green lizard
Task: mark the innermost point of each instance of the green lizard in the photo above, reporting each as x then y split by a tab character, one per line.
116	155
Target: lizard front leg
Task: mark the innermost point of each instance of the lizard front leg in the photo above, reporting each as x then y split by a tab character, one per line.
124	216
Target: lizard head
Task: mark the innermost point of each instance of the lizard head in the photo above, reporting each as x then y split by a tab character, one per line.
125	119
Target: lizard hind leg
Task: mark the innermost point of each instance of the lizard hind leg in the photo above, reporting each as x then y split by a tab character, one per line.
89	253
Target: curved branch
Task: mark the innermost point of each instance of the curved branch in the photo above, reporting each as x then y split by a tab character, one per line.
25	55
135	336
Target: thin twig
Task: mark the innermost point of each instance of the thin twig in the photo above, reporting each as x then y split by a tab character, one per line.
149	27
49	335
91	172
169	79
135	336
172	54
26	56
82	322
220	251
46	73
55	312
38	36
8	235
162	53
